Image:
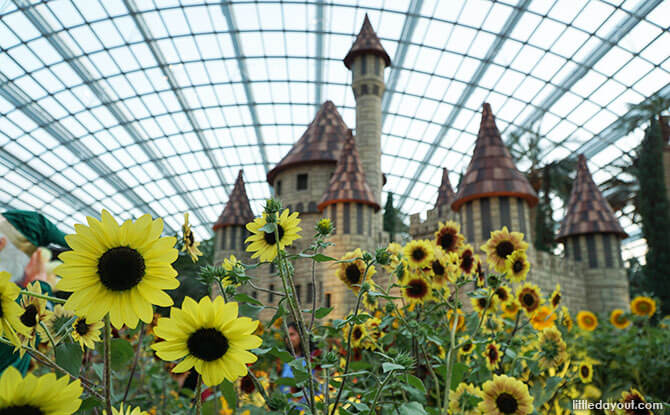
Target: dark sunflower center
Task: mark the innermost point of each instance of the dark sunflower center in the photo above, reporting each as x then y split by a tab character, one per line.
438	269
353	274
643	307
466	262
528	299
418	254
483	302
0	309
247	385
270	237
447	241
207	344
358	333
467	347
29	316
588	321
417	288
81	327
637	404
493	354
555	300
504	249
517	266
121	268
502	294
21	410
507	403
585	371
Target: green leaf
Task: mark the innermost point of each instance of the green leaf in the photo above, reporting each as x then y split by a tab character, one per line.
416	382
282	355
68	356
229	394
286	382
542	395
247	299
317	257
322	312
87	404
388	366
412	408
122	353
457	374
268	228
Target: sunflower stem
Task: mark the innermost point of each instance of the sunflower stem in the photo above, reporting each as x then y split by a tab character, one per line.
373	408
43	297
198	396
449	362
51	339
108	365
138	350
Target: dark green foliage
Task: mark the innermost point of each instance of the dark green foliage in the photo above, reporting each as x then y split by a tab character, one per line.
188	271
543	239
655	214
392	222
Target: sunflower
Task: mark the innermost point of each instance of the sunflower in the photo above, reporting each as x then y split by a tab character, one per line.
634	403
373	325
517	266
460	325
467	346
370	302
464	400
619	319
502	244
453	261
492	355
448	236
401	271
586	320
10	311
127	411
480	276
263	244
556	296
552	348
484	304
503	294
511	308
643	306
395	249
120	270
439	272
417	290
467	260
210	336
419	254
34	312
359	335
543	318
352	273
43	395
530	298
566	320
492	325
190	244
86	333
585	370
505	396
57	323
232	265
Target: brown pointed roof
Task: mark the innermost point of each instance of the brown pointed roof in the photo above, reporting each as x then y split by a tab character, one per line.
348	183
366	42
491	172
588	210
321	142
445	194
237	210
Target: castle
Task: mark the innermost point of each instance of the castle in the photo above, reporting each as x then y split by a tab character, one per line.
330	173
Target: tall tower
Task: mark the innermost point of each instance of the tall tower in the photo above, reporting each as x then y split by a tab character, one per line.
445	195
442	212
591	234
230	227
366	60
493	193
350	203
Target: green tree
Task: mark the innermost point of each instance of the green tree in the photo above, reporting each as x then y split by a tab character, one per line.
393	223
655	213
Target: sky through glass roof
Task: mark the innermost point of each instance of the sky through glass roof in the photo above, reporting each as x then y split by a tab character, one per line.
154	106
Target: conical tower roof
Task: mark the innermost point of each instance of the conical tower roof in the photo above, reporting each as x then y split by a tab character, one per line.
445	194
321	142
237	210
366	42
491	172
588	210
348	183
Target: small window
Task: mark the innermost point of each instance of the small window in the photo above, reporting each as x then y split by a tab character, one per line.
271	296
333	218
233	236
223	238
298	292
311	207
299	207
254	294
378	66
328	300
364	69
310	289
302	182
243	236
346	219
278	188
272	267
359	219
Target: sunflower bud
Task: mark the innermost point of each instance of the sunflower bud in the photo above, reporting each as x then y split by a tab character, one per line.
324	227
365	287
382	256
389	308
277	401
405	359
331	358
367	257
272	206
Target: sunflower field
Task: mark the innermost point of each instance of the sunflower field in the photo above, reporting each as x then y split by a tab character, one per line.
441	335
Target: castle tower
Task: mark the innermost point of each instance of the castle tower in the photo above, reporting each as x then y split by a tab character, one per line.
352	206
493	193
230	227
366	60
591	234
442	212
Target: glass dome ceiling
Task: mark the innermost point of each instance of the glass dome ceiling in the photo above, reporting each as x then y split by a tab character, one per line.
154	106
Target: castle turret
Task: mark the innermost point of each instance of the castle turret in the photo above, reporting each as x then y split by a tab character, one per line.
442	211
230	227
366	60
445	195
591	234
351	205
493	193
